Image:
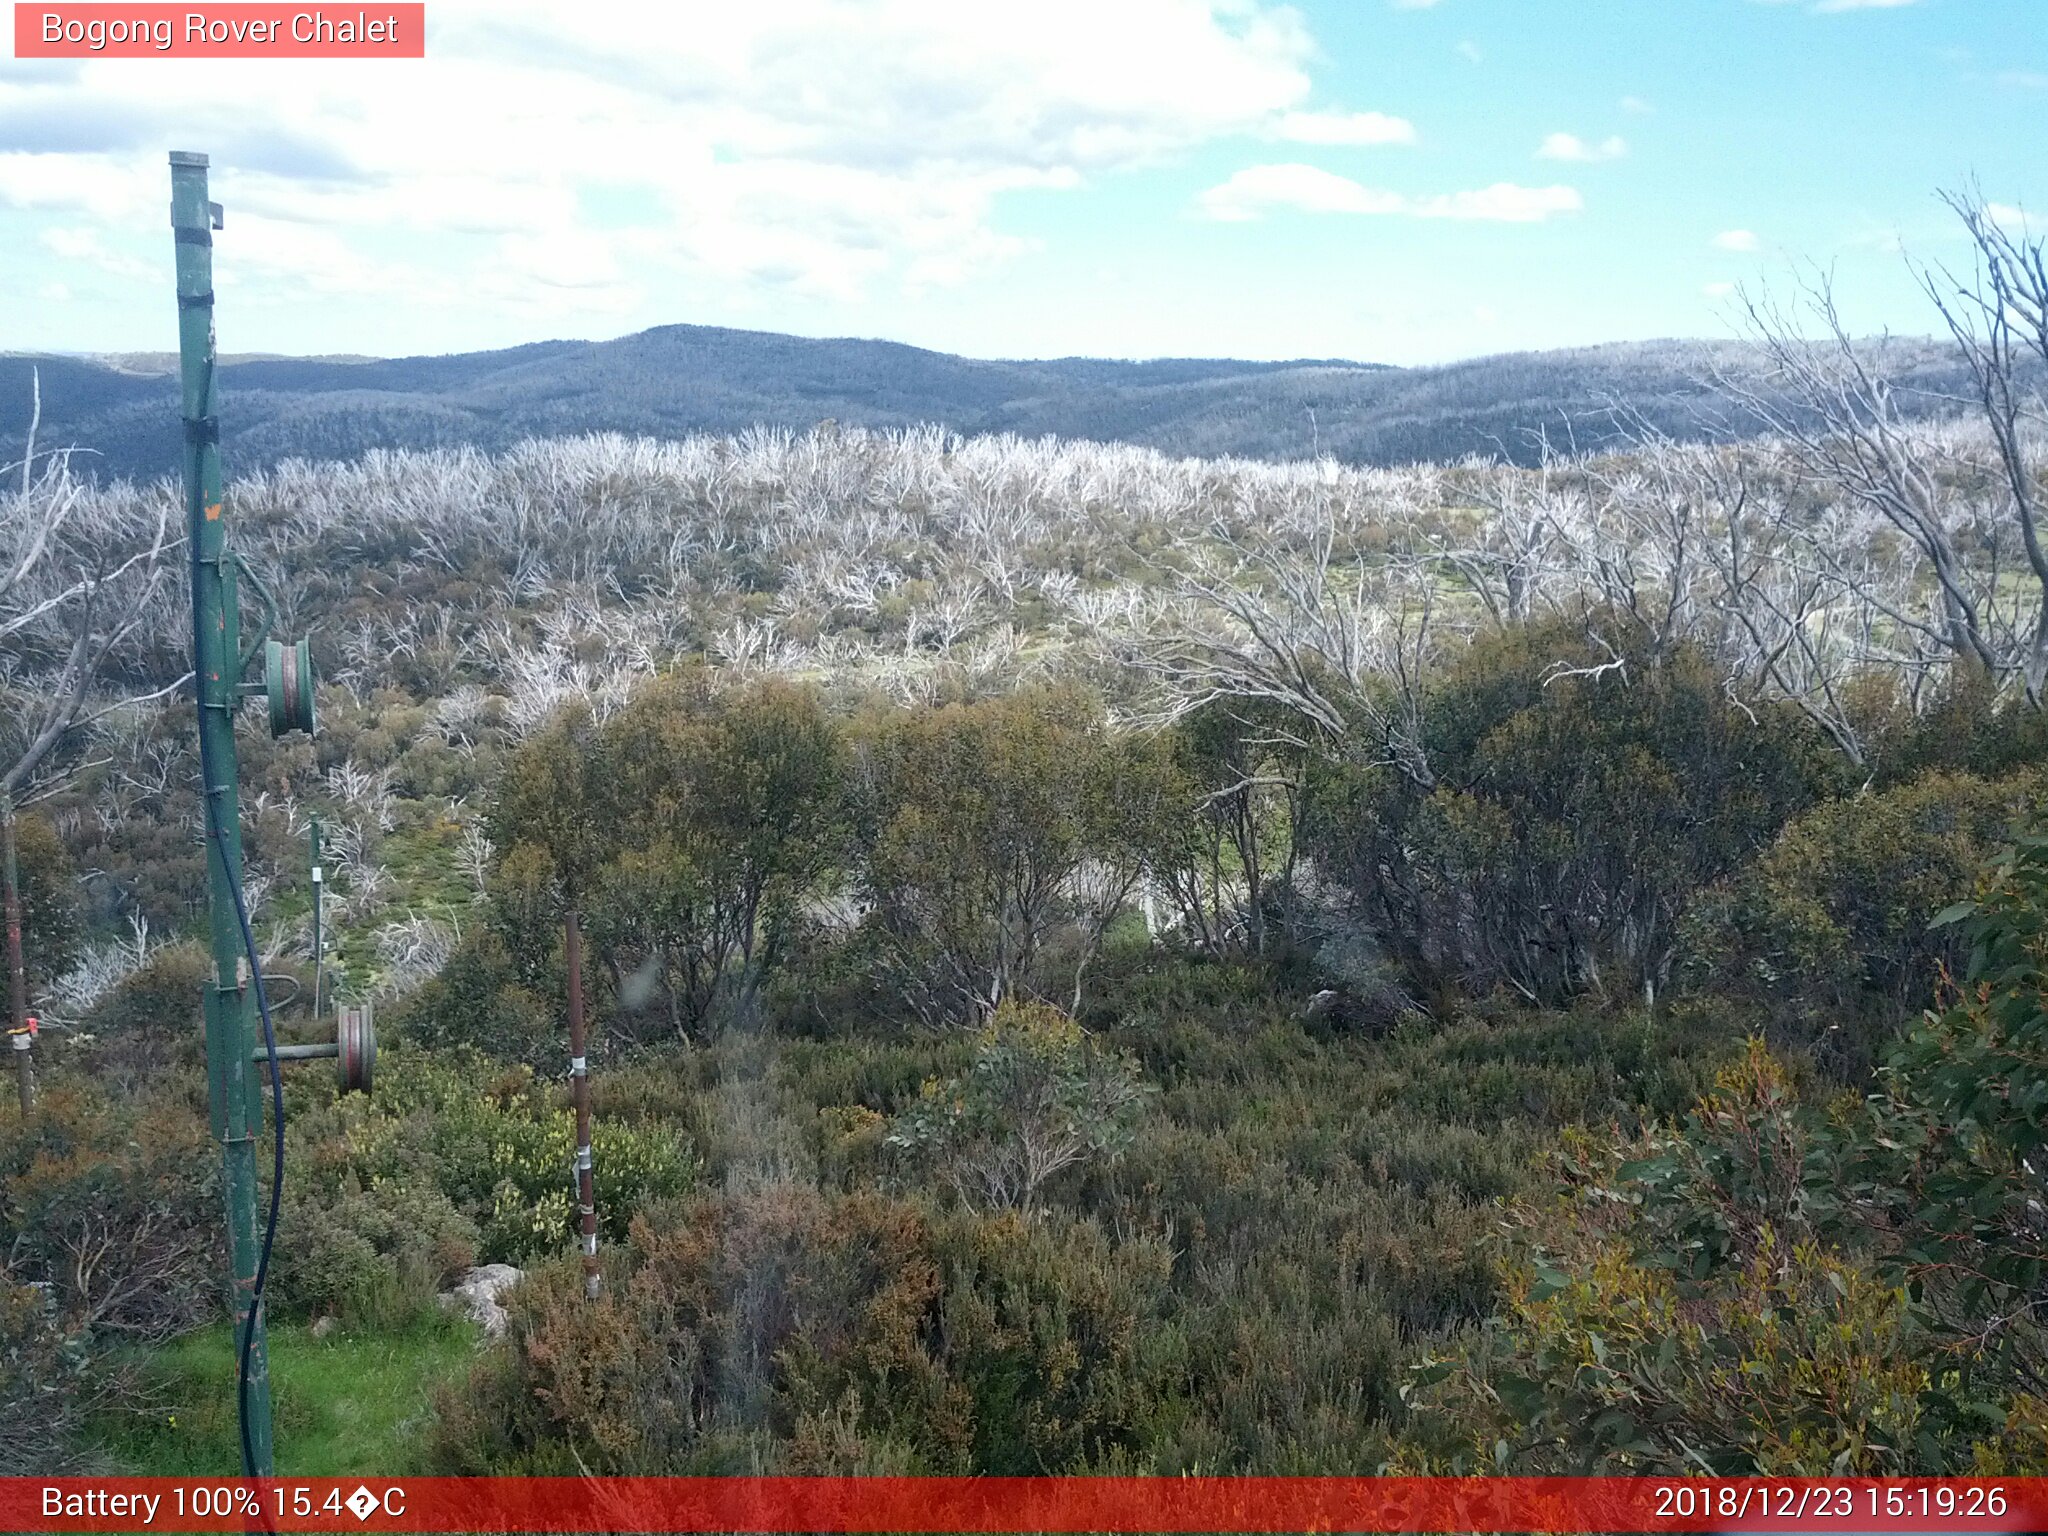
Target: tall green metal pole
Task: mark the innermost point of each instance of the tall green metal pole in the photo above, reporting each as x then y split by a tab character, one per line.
233	1086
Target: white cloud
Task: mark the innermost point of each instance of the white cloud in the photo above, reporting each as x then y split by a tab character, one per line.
273	256
1254	191
2025	79
1636	106
1569	146
1250	192
1344	128
109	189
1503	202
1718	290
2006	216
1470	50
84	246
1737	240
825	146
1827	6
1413	5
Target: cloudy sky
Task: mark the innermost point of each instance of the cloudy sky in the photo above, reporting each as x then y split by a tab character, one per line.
1394	180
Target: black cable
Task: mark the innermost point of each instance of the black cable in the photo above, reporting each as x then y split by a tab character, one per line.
248	1339
277	1120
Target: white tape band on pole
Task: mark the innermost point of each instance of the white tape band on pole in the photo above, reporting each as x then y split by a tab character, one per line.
582	1158
578	1067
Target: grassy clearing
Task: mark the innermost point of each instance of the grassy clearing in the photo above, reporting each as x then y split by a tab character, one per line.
344	1405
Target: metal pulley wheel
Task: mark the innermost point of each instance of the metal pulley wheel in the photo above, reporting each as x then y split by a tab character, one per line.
355	1057
288	680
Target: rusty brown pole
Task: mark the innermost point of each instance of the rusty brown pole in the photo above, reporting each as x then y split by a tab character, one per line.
579	1078
17	976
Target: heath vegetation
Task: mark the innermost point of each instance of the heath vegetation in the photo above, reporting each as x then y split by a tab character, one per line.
1098	961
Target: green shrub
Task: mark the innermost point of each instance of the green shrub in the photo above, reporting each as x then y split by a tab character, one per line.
1054	1345
113	1204
1685	1307
728	817
690	829
1040	1097
48	1386
721	1320
885	1075
1226	846
376	1257
52	925
794	1329
974	823
497	1144
1946	1173
1582	796
1967	729
150	1024
1827	931
480	1000
1771	1288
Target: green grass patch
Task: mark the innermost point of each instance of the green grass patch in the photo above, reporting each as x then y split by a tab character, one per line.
343	1406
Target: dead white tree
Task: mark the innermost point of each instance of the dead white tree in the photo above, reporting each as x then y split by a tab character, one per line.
84	576
1506	557
1341	649
1638	537
1998	315
1830	400
75	586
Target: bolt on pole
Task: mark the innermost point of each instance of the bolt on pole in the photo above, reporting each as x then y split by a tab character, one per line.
232	1082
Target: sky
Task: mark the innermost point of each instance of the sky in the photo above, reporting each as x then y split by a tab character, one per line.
1400	181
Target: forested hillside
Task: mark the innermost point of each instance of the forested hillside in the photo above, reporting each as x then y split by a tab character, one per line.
1098	961
681	379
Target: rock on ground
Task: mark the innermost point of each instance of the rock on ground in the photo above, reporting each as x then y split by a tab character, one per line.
477	1293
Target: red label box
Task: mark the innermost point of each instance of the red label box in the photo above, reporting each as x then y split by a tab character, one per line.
233	31
1011	1506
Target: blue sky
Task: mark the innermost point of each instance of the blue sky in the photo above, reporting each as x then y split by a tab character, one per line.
1399	182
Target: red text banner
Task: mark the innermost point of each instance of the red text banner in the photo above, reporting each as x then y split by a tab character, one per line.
234	31
998	1504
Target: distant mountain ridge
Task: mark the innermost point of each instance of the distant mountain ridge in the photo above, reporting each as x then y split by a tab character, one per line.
677	379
